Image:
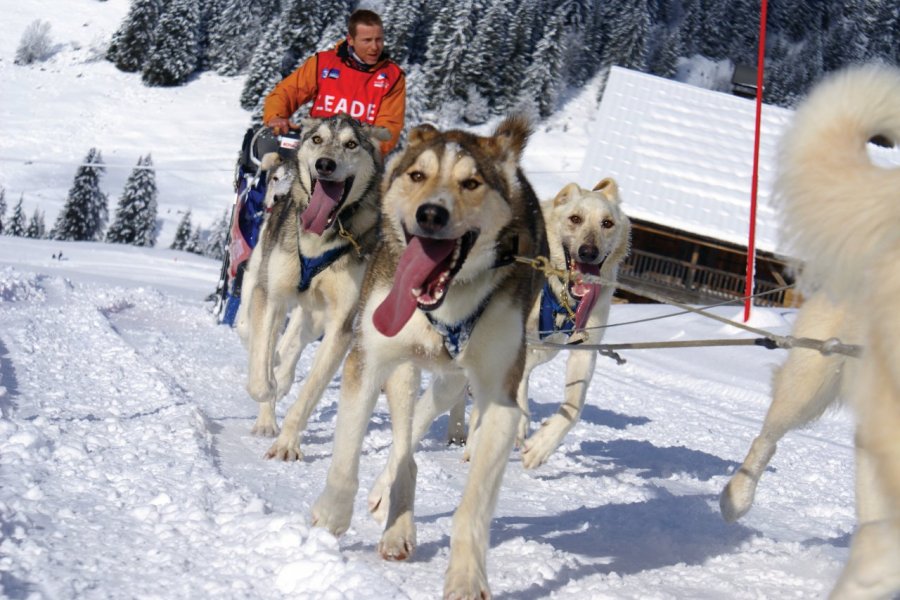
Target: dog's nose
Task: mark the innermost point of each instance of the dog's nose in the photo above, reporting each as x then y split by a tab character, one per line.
432	217
325	167
588	253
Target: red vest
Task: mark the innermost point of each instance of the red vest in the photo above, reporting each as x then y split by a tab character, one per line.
343	89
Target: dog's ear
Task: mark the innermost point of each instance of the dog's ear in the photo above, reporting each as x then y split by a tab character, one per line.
309	123
422	133
566	194
512	134
269	161
609	188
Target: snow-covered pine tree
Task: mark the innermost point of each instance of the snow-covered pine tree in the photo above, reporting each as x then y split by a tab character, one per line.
85	212
2	208
17	224
713	43
543	80
335	25
740	31
524	32
406	27
580	65
236	31
629	28
480	73
214	246
175	53
135	219
36	228
194	244
263	72
664	60
451	35
690	27
183	233
884	26
796	19
132	42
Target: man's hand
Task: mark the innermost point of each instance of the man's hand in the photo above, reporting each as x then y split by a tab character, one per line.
280	125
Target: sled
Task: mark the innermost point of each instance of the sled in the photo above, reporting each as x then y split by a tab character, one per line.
247	214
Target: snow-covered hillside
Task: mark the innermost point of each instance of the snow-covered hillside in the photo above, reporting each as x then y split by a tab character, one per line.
127	467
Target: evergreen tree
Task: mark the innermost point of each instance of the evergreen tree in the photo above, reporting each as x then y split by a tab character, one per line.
236	31
2	208
132	42
452	33
524	34
884	25
791	76
713	42
479	67
36	228
664	60
194	244
629	29
741	32
406	27
214	246
17	222
175	53
264	70
796	19
183	233
85	213
690	27
543	79
135	220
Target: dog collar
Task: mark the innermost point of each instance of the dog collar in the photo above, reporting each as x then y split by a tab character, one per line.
310	267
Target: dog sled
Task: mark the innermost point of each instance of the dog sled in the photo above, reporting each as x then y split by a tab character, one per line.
247	214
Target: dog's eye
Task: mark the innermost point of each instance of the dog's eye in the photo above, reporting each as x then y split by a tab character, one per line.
575	219
351	144
607	224
470	184
417	176
316	139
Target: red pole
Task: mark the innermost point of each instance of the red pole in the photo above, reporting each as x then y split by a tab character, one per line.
751	242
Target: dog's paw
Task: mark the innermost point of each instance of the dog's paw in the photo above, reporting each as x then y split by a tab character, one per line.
737	497
264	429
538	448
396	546
286	451
333	511
465	586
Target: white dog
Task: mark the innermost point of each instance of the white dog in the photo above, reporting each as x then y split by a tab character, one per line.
842	215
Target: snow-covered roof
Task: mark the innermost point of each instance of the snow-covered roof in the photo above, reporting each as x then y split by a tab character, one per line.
683	156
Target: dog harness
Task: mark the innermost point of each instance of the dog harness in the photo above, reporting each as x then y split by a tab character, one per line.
456	336
552	309
310	267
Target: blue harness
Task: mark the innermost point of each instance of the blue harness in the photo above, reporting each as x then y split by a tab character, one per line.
310	267
456	336
551	310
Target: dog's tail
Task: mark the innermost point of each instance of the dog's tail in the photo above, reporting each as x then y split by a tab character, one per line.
839	209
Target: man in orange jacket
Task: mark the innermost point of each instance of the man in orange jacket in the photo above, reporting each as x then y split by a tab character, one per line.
356	78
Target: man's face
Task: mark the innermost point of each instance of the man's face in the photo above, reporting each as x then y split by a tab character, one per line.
368	42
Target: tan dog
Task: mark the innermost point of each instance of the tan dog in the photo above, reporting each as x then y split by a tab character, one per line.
442	293
842	214
311	255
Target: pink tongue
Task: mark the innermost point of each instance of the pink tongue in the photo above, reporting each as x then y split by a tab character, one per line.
419	260
325	197
589	293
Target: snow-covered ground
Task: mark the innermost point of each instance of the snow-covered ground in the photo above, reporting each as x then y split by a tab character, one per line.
127	468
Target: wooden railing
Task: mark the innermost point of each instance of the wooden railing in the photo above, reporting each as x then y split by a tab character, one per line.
697	280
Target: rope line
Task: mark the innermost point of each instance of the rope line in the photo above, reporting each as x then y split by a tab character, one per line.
766	339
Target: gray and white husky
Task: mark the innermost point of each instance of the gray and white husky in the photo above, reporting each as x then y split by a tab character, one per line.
310	260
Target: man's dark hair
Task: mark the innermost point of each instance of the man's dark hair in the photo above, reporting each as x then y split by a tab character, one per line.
363	17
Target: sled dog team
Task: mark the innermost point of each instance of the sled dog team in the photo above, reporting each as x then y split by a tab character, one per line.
424	264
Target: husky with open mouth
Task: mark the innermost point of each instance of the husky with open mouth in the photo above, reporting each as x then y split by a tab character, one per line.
310	259
443	293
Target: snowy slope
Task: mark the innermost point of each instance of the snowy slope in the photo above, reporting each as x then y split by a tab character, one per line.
127	469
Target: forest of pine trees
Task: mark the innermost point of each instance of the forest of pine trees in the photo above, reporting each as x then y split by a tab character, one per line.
471	59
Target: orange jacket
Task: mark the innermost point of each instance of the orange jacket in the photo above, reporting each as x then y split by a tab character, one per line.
301	86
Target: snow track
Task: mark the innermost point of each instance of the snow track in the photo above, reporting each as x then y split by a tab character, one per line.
127	468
